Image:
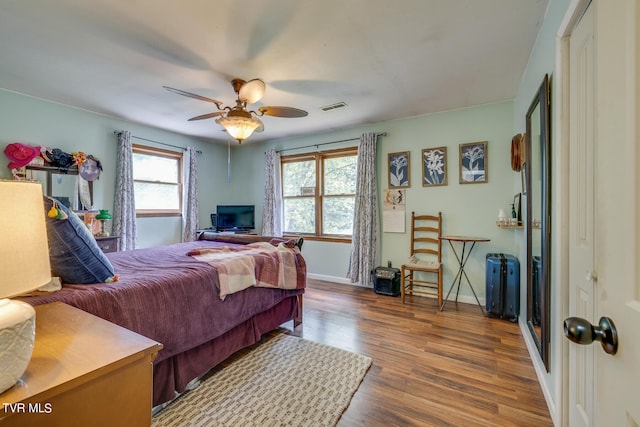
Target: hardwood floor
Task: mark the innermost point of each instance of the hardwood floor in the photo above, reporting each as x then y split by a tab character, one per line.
450	368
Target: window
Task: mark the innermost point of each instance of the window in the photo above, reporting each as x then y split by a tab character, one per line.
157	177
319	193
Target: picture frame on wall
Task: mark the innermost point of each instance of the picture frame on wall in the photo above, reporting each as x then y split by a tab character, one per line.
473	163
399	169
434	166
517	206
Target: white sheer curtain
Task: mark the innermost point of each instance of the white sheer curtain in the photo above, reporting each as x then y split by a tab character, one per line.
190	195
365	218
124	210
272	211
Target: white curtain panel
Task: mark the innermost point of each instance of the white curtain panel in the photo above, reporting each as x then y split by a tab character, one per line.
191	195
124	211
272	213
365	218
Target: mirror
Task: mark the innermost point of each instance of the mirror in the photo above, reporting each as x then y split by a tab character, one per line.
538	190
60	184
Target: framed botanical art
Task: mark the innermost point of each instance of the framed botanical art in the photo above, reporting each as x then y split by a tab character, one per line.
473	163
399	171
434	166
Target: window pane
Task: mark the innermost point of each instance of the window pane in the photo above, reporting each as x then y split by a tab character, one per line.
156	196
337	215
340	175
299	215
154	168
298	175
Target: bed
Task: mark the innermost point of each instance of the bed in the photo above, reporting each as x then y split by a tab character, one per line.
173	298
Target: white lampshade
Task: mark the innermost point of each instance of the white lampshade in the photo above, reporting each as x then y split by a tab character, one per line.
24	252
239	127
24	266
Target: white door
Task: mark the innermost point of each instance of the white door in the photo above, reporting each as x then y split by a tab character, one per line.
616	223
582	173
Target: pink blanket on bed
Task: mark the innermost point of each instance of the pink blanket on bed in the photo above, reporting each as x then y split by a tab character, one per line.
257	264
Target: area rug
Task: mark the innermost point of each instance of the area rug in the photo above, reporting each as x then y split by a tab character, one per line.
285	381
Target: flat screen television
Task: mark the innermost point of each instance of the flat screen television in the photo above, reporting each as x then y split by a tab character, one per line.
236	217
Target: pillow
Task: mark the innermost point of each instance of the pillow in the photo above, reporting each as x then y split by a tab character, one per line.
74	254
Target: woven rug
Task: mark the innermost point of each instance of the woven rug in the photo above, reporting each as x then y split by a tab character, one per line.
285	381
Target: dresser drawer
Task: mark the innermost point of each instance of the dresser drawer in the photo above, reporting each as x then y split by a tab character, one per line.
108	244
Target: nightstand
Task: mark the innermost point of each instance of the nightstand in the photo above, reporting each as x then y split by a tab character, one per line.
108	244
85	371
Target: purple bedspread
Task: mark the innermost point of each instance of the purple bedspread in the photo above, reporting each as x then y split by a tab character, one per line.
169	297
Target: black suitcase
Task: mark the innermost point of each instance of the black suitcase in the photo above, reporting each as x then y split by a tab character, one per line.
503	286
386	281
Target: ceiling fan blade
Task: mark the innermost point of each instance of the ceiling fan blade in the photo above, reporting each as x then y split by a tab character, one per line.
252	91
288	112
193	95
207	116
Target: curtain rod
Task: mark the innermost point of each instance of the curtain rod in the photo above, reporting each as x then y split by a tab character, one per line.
327	143
157	142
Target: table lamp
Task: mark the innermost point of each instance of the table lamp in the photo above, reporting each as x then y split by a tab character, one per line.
103	216
24	266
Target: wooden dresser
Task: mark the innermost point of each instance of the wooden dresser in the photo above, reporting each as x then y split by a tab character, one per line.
85	371
108	244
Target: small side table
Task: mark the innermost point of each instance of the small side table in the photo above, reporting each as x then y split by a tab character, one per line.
108	244
462	260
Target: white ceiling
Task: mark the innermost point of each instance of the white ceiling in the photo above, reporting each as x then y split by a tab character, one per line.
384	59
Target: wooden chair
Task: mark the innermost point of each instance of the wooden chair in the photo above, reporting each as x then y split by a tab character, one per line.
425	258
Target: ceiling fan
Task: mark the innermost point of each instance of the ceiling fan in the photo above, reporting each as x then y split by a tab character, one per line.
237	120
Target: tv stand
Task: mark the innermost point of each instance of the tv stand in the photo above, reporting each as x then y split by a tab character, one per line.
212	232
236	231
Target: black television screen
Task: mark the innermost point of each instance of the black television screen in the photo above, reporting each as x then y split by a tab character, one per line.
236	217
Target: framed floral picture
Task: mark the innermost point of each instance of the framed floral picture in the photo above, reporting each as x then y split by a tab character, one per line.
399	171
434	166
473	163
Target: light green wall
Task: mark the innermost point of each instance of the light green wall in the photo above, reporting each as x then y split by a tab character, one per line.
38	122
469	209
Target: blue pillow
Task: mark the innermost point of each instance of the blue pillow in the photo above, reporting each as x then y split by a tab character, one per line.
74	254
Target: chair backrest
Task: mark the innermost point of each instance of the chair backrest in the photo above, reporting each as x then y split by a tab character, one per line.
426	231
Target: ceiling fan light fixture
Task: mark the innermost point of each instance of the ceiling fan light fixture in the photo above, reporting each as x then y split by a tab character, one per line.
251	91
237	121
239	127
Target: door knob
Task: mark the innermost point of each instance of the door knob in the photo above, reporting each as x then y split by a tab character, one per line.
591	275
580	331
